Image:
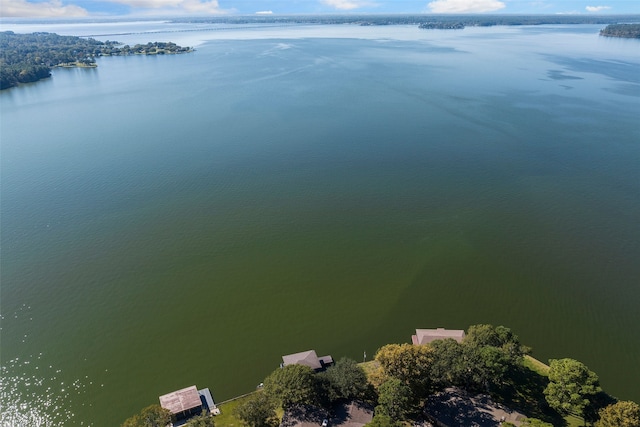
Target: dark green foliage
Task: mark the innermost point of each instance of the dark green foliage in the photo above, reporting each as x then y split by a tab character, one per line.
151	416
29	57
258	411
496	336
202	420
346	380
394	399
448	367
491	354
622	30
381	420
486	366
621	414
292	385
571	386
523	391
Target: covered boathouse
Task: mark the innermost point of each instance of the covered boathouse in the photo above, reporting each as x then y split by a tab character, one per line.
188	402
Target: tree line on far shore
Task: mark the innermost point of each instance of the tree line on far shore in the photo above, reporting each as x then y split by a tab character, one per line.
402	377
631	31
26	58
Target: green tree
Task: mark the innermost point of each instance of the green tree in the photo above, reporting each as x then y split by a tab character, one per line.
620	414
486	366
291	385
571	386
257	411
202	420
394	399
496	336
346	380
381	420
409	363
448	367
151	416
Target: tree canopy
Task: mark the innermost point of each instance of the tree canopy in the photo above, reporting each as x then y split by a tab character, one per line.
448	367
382	420
151	416
411	364
394	399
499	337
621	30
346	380
620	414
571	386
28	58
292	385
258	411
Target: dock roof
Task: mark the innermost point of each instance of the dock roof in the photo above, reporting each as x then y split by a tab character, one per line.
181	400
306	358
425	336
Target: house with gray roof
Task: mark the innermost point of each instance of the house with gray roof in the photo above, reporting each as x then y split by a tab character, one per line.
425	336
307	358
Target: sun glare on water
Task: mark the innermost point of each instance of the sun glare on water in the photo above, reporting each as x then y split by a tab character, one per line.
33	393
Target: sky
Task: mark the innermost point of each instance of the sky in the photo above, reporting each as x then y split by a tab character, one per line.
141	8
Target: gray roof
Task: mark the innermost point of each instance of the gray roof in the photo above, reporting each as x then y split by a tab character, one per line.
181	400
306	358
425	336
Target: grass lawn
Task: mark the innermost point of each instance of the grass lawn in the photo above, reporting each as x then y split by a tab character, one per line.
536	365
228	419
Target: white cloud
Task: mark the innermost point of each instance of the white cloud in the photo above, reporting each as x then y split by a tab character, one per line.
186	6
465	6
597	8
47	9
265	12
346	4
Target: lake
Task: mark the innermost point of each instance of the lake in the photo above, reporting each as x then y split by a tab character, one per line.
189	219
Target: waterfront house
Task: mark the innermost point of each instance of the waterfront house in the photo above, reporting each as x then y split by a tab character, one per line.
307	358
188	402
425	336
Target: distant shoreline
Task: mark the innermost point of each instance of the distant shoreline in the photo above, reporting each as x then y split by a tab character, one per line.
627	31
31	57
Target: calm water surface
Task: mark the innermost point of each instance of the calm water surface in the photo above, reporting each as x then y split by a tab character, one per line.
179	220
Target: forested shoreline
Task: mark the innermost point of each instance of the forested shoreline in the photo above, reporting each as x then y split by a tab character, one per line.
28	58
402	378
630	31
415	19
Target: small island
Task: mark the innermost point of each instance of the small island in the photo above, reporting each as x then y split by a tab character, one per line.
629	31
30	57
442	26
